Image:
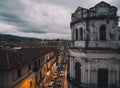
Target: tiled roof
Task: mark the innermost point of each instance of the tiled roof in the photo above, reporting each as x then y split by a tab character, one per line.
10	59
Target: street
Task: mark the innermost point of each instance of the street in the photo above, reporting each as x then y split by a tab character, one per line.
58	77
60	81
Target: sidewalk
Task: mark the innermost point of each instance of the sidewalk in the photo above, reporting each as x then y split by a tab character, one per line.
65	81
71	85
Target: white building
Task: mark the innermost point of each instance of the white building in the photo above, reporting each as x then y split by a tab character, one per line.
94	58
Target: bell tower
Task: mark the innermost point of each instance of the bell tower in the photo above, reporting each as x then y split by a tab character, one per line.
96	27
94	57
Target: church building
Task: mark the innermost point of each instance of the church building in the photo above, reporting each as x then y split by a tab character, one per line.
94	57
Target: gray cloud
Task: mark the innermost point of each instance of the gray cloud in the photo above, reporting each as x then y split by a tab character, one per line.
33	31
41	18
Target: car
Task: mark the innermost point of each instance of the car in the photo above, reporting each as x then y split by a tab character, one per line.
55	76
50	85
63	65
56	72
59	83
52	81
59	65
58	68
61	73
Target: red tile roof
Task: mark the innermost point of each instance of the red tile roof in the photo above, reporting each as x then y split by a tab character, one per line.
10	59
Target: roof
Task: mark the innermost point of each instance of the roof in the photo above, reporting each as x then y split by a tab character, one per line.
102	3
114	8
80	8
10	59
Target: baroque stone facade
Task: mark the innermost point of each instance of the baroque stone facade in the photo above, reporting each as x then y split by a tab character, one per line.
94	57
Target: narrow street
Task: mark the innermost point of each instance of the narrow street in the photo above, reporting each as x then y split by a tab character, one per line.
65	78
65	83
51	79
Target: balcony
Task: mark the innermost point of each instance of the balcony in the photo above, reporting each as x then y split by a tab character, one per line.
94	17
98	44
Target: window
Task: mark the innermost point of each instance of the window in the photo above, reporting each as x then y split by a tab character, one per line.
30	84
102	33
39	62
107	21
19	73
76	33
35	63
81	33
36	78
29	67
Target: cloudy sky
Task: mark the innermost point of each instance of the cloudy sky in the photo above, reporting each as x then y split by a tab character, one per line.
46	19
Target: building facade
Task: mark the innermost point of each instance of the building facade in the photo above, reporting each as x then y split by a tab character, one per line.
94	57
26	67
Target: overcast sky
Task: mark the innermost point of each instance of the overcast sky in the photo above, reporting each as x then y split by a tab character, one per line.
46	19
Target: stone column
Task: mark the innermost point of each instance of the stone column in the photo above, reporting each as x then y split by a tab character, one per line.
78	34
95	76
117	77
89	72
74	68
86	76
83	73
113	76
74	34
109	77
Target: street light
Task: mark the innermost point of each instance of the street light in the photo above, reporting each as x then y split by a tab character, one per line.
48	73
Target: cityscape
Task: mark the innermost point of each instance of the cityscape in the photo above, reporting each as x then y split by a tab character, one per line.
39	51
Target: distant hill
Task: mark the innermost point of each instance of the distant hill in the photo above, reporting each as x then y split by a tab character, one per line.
15	38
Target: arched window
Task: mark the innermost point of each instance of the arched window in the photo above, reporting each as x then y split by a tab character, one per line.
81	33
102	32
76	34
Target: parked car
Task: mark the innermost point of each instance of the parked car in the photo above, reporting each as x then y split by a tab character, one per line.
51	84
59	83
52	81
61	73
63	65
56	72
55	76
